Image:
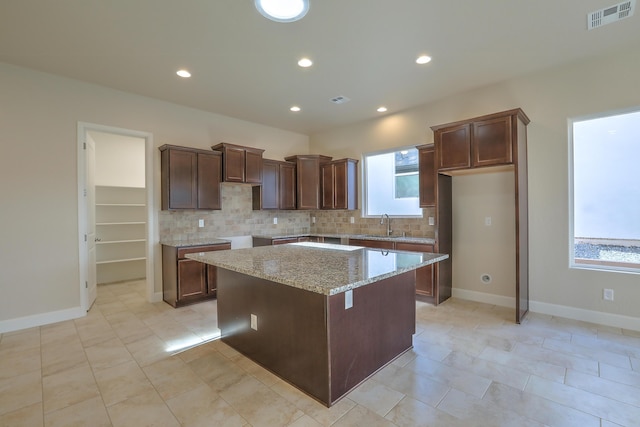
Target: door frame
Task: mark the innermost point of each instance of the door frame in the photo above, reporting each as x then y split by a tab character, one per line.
83	128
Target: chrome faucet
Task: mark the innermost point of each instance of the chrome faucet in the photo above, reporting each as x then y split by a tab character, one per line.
388	223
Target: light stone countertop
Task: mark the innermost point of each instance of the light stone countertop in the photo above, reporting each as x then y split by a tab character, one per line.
318	267
408	239
194	242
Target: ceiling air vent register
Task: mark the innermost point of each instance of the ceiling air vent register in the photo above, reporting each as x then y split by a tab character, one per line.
340	99
610	14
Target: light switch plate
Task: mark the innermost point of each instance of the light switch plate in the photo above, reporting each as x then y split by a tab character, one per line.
201	223
432	221
254	322
275	220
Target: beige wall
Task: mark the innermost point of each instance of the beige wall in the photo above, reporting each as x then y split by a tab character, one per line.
39	115
549	98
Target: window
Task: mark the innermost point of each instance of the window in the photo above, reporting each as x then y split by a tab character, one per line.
605	207
391	183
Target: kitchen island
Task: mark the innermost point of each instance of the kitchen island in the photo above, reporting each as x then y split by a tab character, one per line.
322	317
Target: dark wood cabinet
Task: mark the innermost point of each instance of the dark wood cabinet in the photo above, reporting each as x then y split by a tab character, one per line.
308	179
185	281
484	142
270	241
278	189
377	244
240	164
339	184
427	174
190	178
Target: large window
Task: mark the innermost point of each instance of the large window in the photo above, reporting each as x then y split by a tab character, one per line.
605	232
391	183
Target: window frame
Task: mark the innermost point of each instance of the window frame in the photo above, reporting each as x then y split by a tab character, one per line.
363	179
597	265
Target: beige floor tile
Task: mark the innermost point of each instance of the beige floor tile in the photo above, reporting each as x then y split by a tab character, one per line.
62	356
452	377
95	332
376	397
533	367
148	350
122	382
418	387
538	408
20	341
604	387
172	377
17	362
564	360
203	407
305	421
218	371
412	413
29	416
428	348
107	354
90	412
146	409
600	354
68	387
58	333
360	416
405	358
490	370
20	391
197	352
611	345
482	339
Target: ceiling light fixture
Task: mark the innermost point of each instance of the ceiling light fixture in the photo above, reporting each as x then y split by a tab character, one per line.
183	73
305	62
283	10
295	108
423	59
382	109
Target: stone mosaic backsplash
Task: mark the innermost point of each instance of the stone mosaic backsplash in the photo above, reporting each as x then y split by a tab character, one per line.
237	218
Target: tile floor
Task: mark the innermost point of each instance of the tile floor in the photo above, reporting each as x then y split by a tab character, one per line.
125	364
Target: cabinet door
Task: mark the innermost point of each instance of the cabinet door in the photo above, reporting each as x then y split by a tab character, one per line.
427	173
327	186
212	279
191	279
492	142
209	175
234	164
270	184
424	275
308	183
253	166
284	240
453	147
287	190
377	244
180	186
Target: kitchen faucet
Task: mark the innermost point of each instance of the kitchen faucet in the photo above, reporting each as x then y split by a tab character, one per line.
388	223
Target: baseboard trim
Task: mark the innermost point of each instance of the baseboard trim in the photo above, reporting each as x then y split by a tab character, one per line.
598	317
156	297
19	323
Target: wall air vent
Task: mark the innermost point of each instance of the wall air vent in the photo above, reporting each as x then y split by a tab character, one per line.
610	14
342	99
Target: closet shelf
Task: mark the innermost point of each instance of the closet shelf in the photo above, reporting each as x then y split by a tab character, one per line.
112	261
120	241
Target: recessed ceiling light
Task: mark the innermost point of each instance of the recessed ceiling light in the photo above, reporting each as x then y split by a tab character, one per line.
382	109
424	59
305	62
283	10
295	108
183	73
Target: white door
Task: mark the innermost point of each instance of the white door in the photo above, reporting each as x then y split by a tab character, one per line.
90	201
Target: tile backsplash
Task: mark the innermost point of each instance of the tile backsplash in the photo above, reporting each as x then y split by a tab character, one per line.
237	218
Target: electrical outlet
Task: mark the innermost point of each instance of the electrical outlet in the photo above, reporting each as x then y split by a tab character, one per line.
487	221
352	220
201	223
313	220
607	295
254	322
432	221
275	220
348	299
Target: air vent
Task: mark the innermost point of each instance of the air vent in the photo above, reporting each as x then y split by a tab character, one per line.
340	100
610	14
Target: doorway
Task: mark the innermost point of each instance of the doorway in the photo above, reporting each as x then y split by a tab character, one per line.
115	218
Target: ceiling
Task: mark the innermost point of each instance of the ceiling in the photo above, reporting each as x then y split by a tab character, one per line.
245	66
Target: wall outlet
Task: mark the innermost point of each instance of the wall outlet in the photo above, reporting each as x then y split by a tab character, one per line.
348	299
607	294
487	221
432	221
275	220
313	220
254	322
352	220
201	223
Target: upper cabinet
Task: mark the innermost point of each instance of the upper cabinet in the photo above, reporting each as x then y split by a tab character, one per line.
427	174
190	178
339	184
308	179
484	141
240	164
278	189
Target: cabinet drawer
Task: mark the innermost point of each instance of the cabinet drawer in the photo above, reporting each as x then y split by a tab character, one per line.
204	248
414	247
284	241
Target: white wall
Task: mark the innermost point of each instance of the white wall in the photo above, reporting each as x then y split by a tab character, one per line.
39	266
549	98
119	160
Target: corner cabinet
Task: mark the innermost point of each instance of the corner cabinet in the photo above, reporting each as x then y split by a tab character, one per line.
190	178
308	179
339	184
239	163
278	188
185	281
495	142
427	175
121	220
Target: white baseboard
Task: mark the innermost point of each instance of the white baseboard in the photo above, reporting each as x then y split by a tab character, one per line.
156	297
599	317
19	323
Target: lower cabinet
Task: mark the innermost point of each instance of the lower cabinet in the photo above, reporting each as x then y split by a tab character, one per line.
424	275
185	281
269	241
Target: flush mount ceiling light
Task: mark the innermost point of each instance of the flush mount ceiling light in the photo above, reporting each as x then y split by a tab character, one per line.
305	62
283	10
183	73
423	59
295	108
382	109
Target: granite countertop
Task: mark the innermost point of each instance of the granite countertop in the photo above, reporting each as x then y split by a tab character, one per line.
194	242
408	239
318	267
